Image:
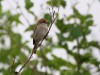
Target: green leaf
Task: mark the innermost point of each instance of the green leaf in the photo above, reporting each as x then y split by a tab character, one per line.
63	3
83	43
48	17
61	38
77	73
34	62
17	38
60	62
79	16
15	43
27	71
70	17
89	23
6	72
57	3
1	27
89	16
4	55
94	44
47	50
8	13
94	61
77	13
30	28
1	34
86	72
15	18
67	72
25	46
2	41
73	72
28	4
75	32
85	18
23	57
61	26
85	58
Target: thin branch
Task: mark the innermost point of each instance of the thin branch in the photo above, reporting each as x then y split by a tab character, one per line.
50	12
25	63
53	20
90	5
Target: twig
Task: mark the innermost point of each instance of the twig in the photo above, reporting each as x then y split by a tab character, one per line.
25	64
50	12
90	5
53	20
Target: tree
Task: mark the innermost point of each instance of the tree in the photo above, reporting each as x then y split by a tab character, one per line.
77	31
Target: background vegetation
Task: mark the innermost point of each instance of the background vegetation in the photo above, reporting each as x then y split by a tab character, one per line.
74	28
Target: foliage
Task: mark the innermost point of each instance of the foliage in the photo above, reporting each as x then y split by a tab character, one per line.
57	3
14	55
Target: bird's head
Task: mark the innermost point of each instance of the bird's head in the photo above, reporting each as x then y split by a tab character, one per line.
42	20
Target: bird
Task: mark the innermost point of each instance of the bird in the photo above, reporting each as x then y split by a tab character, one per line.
40	32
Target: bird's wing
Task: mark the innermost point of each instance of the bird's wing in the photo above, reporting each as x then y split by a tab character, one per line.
34	34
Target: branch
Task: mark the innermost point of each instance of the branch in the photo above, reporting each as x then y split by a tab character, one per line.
54	17
52	21
24	64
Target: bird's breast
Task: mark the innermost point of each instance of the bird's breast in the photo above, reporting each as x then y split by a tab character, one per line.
41	31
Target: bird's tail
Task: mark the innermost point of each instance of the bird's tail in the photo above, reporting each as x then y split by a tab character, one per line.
34	49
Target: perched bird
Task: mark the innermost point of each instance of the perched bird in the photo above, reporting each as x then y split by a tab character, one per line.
40	32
